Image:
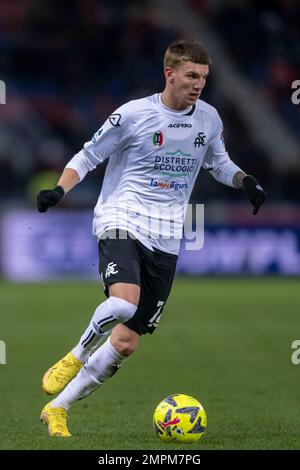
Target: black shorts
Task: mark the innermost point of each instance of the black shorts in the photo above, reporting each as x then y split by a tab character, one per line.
129	261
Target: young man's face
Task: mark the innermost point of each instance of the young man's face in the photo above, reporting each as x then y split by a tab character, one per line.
186	82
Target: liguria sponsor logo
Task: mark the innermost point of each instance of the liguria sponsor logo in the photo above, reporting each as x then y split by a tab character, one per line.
166	184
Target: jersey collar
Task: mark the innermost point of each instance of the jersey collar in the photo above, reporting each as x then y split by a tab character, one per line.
170	112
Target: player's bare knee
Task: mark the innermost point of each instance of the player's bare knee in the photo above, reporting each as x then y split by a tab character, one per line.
125	291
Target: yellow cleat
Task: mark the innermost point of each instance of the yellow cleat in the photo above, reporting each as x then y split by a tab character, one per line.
56	418
59	375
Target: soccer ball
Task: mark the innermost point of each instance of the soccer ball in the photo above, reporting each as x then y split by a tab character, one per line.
179	418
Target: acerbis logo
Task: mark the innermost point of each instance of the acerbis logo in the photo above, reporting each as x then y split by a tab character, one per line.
157	139
180	124
114	119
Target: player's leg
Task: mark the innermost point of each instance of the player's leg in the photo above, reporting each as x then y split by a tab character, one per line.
120	274
119	269
112	311
156	279
117	308
158	273
104	363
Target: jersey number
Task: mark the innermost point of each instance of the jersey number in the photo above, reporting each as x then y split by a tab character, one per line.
156	317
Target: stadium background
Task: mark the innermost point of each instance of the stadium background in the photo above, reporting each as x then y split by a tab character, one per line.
67	66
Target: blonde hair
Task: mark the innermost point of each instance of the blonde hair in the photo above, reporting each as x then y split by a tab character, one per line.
185	50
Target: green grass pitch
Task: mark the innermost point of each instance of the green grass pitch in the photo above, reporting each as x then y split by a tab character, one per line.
227	342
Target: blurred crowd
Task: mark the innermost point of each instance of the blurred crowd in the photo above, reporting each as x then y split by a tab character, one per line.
263	41
68	65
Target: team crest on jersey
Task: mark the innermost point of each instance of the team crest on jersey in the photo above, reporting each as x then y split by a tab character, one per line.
200	140
111	269
158	138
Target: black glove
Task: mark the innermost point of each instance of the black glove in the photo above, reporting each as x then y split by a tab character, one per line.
49	198
254	192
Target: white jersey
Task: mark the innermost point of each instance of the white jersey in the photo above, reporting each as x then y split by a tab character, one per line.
155	154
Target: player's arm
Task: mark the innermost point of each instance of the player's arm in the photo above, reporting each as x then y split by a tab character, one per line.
115	132
51	197
252	189
224	170
237	180
69	179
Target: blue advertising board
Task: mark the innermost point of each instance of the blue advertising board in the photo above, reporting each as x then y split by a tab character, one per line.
60	244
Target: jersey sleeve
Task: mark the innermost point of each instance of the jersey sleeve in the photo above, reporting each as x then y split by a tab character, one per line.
115	134
217	160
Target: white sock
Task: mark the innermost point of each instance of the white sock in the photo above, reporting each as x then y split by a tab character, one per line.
114	310
101	365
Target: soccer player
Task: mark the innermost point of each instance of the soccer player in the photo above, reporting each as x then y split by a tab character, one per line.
156	146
